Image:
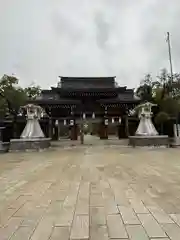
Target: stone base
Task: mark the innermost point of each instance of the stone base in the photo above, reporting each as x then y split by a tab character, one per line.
17	145
3	147
142	141
175	142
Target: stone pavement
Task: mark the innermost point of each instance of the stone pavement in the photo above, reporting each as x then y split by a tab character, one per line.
96	193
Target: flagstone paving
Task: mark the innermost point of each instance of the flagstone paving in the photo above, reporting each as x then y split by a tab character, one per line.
95	193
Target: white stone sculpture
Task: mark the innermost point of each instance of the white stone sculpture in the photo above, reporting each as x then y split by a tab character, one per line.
32	129
146	127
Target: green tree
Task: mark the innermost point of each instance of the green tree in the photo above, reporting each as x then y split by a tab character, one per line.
161	118
168	93
161	87
145	90
12	96
171	86
33	91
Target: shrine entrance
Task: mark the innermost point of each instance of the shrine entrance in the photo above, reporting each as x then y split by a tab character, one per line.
101	129
89	127
98	128
109	128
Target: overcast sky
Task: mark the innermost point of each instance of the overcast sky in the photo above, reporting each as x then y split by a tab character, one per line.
42	39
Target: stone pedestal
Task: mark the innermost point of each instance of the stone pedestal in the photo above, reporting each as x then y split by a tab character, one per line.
20	145
175	142
142	141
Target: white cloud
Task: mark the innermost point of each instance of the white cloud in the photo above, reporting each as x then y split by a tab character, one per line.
42	39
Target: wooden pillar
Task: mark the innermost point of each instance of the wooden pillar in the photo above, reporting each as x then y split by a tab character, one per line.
76	132
105	131
73	132
82	132
59	128
50	127
106	123
118	131
127	126
101	135
50	124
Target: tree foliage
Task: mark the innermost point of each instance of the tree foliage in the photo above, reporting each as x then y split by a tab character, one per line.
12	96
164	91
144	91
33	91
161	117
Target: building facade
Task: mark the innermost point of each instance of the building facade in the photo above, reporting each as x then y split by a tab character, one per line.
94	105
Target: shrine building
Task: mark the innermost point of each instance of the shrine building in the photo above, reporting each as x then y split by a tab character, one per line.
96	103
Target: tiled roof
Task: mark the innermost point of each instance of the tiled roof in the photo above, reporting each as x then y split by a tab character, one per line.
87	82
54	101
123	97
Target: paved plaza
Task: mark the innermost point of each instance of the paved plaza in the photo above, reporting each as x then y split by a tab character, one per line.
90	192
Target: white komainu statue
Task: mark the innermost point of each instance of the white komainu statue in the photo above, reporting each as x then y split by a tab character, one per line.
146	127
33	129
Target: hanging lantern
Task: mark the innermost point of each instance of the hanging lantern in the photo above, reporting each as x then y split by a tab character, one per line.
93	115
120	120
112	120
71	122
65	123
84	116
106	122
56	123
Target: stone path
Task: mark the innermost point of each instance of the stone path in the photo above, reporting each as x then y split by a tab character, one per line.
95	193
